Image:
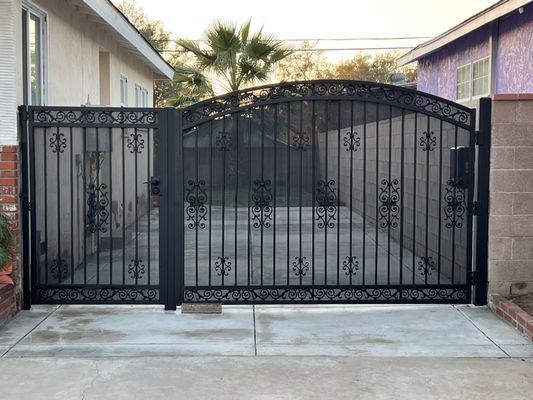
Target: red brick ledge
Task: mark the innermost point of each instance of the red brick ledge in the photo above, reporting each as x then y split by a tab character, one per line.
8	305
512	96
512	314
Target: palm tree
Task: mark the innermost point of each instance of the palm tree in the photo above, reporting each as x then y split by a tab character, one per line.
189	85
233	57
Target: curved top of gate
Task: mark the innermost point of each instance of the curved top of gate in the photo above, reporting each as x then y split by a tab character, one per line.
374	92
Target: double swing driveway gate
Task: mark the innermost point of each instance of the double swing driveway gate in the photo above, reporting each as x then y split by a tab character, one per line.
305	192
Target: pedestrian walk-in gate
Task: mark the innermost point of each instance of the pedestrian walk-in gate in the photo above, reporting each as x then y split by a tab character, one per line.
307	192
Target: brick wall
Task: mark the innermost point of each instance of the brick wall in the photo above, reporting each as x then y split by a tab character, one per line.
511	199
9	204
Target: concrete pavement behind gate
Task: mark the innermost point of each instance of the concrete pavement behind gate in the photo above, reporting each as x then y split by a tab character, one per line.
264	352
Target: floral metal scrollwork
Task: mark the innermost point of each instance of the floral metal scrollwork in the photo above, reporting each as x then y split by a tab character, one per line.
223	266
428	141
58	142
136	142
59	268
389	196
136	268
300	266
326	200
300	141
455	206
262	198
350	265
352	141
426	266
196	197
97	203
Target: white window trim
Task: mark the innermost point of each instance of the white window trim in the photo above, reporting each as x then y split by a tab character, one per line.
142	92
125	78
29	6
471	97
472	79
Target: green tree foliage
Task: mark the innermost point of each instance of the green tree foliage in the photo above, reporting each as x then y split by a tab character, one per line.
189	84
303	65
232	57
7	250
314	65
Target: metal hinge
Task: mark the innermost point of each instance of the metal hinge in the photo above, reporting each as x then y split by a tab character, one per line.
478	138
472	277
476	208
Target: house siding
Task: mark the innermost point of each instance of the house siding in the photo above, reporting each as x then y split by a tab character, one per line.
514	71
437	72
514	57
74	43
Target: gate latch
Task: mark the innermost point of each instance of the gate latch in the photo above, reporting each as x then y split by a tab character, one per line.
154	186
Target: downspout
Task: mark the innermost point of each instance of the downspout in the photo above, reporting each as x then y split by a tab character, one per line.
493	54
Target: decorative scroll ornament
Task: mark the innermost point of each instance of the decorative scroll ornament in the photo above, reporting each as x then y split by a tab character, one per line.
262	198
58	142
426	266
300	266
223	141
300	141
59	268
455	206
136	142
428	141
90	117
136	268
330	90
352	141
88	295
97	203
196	197
326	200
350	265
389	196
223	266
341	294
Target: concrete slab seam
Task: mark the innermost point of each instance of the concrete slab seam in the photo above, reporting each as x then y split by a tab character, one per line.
30	331
481	330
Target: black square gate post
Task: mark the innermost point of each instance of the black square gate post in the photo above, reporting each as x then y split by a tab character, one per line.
171	208
483	173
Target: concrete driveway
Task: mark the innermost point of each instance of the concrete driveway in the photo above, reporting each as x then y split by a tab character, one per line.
264	352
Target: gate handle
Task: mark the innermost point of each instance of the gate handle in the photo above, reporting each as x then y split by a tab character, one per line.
154	186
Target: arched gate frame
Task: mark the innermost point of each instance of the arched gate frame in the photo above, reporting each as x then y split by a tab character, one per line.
325	192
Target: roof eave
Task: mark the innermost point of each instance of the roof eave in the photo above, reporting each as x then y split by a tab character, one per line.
125	29
478	20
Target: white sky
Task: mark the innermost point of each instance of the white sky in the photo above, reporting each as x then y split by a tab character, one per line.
289	19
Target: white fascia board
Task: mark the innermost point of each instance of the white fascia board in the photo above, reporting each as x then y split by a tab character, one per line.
477	21
116	20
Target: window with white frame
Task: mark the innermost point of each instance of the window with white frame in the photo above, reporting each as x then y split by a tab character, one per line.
141	96
480	77
473	80
463	83
123	91
34	57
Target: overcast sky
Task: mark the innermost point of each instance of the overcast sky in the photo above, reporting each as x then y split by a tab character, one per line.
301	19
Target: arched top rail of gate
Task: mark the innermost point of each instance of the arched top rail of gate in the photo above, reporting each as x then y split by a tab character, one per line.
373	92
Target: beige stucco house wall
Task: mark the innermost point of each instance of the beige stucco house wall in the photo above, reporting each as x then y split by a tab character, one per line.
88	46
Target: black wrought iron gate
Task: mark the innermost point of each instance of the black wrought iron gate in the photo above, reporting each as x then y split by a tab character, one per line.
321	191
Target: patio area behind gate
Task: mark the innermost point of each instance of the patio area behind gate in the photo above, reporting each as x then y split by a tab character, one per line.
307	192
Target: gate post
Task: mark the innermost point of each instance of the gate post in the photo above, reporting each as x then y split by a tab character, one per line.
171	208
482	231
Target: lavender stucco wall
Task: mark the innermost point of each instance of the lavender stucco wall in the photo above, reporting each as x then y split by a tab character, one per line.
514	63
437	72
514	72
